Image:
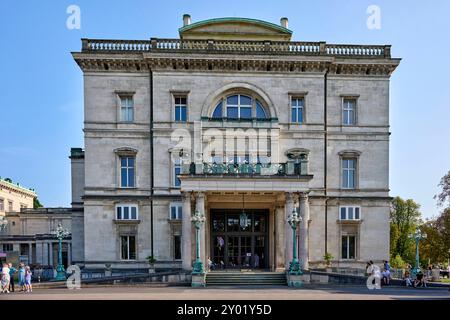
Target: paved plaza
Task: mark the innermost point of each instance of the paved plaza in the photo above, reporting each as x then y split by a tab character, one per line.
308	292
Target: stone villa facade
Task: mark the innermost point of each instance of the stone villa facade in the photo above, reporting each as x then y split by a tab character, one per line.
240	123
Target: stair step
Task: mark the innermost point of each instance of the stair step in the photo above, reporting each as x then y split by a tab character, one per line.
246	279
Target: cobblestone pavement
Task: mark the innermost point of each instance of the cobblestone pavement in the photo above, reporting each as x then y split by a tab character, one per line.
307	292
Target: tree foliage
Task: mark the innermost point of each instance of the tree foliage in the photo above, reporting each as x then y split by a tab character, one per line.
443	197
405	217
36	203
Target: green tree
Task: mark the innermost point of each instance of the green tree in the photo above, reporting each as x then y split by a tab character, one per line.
405	217
443	197
36	203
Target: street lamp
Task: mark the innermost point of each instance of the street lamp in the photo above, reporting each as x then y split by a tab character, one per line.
60	233
294	219
417	236
198	219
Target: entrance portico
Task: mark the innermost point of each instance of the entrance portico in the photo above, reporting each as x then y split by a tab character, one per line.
264	240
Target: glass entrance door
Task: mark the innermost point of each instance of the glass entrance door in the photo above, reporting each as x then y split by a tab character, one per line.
239	241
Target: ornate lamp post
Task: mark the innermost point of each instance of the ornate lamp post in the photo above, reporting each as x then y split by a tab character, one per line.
198	219
294	267
60	233
417	236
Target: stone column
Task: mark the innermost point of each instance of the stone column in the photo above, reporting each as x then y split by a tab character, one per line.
289	207
304	226
186	227
69	254
39	252
45	254
280	241
30	253
50	255
200	206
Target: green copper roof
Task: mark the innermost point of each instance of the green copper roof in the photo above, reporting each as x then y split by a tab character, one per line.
17	186
234	19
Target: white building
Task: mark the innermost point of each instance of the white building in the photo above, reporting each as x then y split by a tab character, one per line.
269	126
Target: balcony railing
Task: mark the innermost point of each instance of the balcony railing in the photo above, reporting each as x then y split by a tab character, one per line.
247	169
236	46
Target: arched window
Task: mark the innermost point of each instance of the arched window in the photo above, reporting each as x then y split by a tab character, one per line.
239	106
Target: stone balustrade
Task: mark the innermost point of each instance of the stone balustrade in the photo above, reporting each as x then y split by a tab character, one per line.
234	46
248	169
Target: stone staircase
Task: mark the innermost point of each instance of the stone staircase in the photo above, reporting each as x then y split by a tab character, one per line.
237	278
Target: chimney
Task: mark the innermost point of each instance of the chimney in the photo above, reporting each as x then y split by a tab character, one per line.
186	20
284	22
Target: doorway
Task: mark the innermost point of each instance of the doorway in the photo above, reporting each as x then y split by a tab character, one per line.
239	239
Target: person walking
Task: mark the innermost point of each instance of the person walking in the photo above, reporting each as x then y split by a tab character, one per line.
5	278
22	276
28	286
12	271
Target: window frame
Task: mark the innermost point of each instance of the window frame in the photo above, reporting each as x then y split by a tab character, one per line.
10	245
355	172
179	211
128	156
128	248
355	247
2	205
176	105
347	213
223	100
129	206
126	95
355	110
175	258
10	206
176	164
291	108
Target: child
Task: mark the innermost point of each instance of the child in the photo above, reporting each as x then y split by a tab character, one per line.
5	278
408	280
28	286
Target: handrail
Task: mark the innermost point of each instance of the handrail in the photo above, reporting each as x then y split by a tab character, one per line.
236	46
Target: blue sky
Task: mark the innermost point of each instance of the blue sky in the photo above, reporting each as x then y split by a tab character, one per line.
41	114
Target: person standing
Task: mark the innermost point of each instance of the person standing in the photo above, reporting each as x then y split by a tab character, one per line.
28	285
5	278
12	271
22	276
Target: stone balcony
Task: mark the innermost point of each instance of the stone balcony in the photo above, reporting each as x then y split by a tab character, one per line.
236	46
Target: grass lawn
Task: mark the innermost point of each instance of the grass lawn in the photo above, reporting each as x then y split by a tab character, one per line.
445	280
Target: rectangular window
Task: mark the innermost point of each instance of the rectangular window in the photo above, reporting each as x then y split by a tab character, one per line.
180	109
127	212
177	247
176	211
7	247
349	112
350	213
297	107
348	247
176	173
10	206
2	205
128	247
127	171
349	173
126	109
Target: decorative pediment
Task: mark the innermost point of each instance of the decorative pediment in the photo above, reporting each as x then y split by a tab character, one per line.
235	29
